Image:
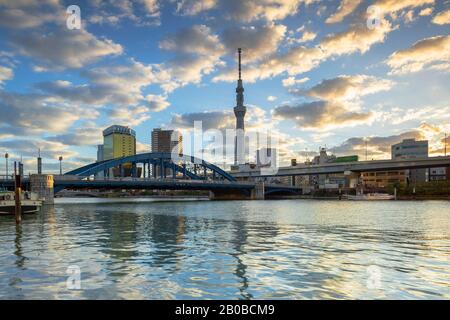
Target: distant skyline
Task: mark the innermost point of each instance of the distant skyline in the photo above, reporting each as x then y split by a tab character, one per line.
318	73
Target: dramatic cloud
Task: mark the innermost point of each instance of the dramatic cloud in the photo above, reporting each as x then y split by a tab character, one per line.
320	115
296	60
244	10
299	59
33	113
198	53
344	88
421	55
442	17
256	42
115	85
5	74
345	8
64	48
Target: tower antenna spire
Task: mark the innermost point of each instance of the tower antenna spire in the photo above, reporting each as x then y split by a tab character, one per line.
239	59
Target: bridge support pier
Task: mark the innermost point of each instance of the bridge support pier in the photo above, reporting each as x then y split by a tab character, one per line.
42	184
255	194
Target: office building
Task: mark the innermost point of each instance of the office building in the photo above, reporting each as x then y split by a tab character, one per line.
166	141
119	141
411	149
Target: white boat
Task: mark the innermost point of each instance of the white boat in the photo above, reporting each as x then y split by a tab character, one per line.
371	196
30	202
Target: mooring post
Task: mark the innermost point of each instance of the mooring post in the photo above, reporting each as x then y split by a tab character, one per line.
17	187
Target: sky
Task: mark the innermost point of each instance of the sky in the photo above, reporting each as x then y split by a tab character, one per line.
335	74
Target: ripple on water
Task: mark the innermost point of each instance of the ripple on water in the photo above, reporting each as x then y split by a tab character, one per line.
230	250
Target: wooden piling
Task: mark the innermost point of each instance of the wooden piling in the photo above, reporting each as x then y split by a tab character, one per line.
17	188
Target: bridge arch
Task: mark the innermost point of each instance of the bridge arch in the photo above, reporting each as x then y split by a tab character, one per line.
183	165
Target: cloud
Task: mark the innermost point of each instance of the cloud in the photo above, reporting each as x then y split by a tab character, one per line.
210	119
357	37
5	74
35	113
271	98
193	7
85	135
321	115
256	42
64	48
378	147
420	55
306	36
156	102
392	6
197	53
129	115
291	81
345	88
426	12
297	60
29	14
116	85
345	8
442	17
141	13
300	59
30	148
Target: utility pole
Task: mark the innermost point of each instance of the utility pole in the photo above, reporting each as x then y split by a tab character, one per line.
445	144
366	147
60	165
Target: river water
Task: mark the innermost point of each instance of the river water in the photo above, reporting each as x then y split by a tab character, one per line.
285	249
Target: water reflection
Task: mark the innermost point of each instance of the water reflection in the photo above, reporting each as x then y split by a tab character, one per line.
245	250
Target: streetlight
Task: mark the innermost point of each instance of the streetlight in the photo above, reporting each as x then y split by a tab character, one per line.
60	165
6	159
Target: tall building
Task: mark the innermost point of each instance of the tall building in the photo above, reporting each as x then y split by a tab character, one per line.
239	112
411	149
100	153
99	175
166	141
119	141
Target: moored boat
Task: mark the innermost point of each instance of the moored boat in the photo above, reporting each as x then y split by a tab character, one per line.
371	196
30	202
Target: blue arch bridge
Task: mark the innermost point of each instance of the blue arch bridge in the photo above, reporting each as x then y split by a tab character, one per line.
158	171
